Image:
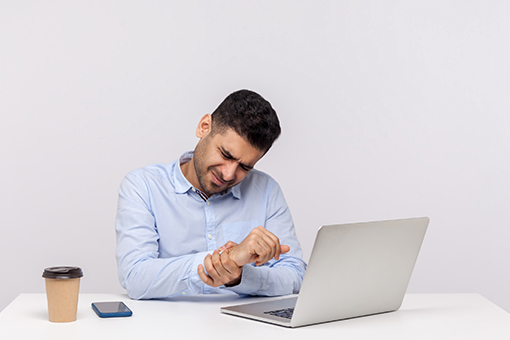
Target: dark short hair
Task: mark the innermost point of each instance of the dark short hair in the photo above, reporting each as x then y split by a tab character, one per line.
250	116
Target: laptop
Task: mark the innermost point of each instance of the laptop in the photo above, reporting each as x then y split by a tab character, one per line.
354	270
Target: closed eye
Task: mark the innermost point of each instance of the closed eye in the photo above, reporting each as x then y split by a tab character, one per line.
245	167
225	154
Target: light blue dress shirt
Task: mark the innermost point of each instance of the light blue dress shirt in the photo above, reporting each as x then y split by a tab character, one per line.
165	230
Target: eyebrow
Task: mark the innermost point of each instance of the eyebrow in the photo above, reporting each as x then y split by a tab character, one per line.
230	156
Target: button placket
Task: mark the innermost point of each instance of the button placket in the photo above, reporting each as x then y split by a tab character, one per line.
210	224
210	238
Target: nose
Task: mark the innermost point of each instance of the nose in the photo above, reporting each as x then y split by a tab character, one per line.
229	171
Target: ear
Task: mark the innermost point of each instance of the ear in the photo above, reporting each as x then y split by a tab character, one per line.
204	126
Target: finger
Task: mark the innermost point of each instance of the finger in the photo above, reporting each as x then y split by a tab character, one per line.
276	246
260	245
272	246
270	250
218	266
273	241
233	269
264	252
226	262
203	276
284	249
211	270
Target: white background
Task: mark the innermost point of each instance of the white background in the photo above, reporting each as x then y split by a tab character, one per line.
389	109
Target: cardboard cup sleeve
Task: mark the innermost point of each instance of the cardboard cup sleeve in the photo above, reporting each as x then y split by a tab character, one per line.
62	292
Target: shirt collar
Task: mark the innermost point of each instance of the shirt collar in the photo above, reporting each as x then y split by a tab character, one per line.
182	185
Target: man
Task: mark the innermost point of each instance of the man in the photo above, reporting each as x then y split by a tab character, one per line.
209	222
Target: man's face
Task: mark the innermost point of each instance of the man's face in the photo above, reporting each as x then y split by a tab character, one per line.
222	160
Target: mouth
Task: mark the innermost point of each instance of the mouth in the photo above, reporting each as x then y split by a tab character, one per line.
217	180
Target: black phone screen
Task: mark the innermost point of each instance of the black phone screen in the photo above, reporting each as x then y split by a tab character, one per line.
112	307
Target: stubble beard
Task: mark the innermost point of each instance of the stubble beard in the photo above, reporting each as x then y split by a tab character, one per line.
207	186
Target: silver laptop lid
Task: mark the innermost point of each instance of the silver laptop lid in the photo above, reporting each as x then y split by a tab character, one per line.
359	269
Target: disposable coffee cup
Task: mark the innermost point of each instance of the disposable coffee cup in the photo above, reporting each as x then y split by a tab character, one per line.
62	291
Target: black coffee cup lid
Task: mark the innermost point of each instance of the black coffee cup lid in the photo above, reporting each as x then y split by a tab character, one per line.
62	273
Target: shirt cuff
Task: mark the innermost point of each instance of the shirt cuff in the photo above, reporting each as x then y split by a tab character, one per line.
196	285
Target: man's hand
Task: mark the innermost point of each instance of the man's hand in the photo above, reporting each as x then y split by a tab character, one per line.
225	268
221	269
259	246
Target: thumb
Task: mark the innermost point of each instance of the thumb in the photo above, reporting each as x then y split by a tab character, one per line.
284	249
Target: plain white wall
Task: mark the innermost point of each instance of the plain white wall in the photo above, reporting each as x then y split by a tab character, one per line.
389	109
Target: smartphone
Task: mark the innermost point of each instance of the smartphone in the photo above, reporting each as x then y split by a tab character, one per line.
111	309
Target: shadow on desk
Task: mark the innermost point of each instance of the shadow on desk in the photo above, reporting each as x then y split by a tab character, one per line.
218	298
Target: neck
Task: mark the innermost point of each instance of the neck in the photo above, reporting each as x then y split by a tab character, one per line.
188	170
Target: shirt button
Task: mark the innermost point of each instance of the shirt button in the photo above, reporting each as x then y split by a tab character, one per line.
183	293
210	236
208	203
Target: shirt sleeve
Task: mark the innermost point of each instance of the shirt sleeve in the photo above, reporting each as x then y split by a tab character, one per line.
280	277
141	272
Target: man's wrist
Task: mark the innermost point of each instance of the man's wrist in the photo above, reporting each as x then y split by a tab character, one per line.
237	280
234	282
232	257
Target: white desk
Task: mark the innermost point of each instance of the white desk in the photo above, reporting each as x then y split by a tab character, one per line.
422	316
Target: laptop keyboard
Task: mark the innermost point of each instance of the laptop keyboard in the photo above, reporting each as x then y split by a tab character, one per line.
283	313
